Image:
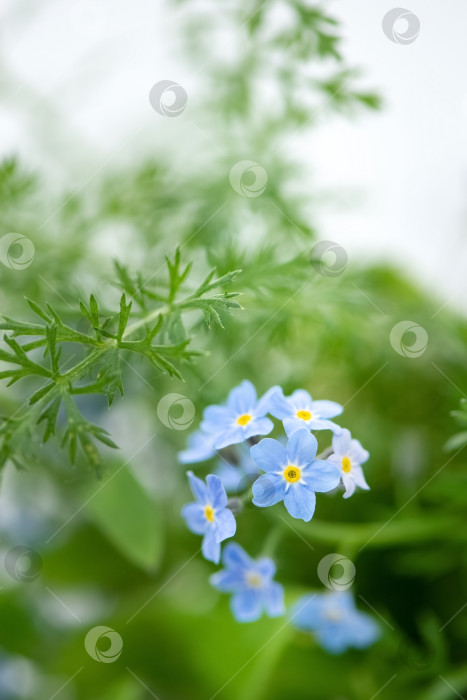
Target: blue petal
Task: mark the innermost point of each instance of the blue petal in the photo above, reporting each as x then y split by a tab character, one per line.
216	418
365	630
321	476
300	502
341	442
225	524
235	557
273	597
230	476
270	455
228	581
246	605
268	490
292	424
216	492
266	567
324	424
305	614
210	548
195	518
200	448
231	435
199	488
266	402
301	448
258	426
357	453
326	409
279	405
301	400
242	399
333	637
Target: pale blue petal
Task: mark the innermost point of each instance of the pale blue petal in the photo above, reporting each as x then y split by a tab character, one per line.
216	418
230	476
279	406
273	598
216	492
301	400
195	518
242	399
200	448
270	455
306	612
210	548
268	490
364	630
292	424
235	557
359	477
333	637
301	448
266	567
356	452
230	435
259	426
326	409
228	581
266	402
225	524
246	605
300	502
324	424
199	488
349	485
341	442
321	476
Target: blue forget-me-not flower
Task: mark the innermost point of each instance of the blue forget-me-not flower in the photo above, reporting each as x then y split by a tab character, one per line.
335	621
293	474
200	449
250	582
348	456
300	411
208	515
243	416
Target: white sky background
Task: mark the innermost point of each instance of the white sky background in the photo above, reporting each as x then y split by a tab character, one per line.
84	68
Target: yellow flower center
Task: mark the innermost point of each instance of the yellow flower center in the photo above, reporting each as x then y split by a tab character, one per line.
346	465
254	580
292	473
304	415
244	419
209	513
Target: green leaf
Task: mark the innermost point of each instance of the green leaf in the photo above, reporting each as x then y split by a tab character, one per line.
125	514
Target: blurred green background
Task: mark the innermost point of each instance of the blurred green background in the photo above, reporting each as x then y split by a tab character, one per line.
113	550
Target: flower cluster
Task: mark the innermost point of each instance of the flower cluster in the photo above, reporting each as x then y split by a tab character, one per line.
286	469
